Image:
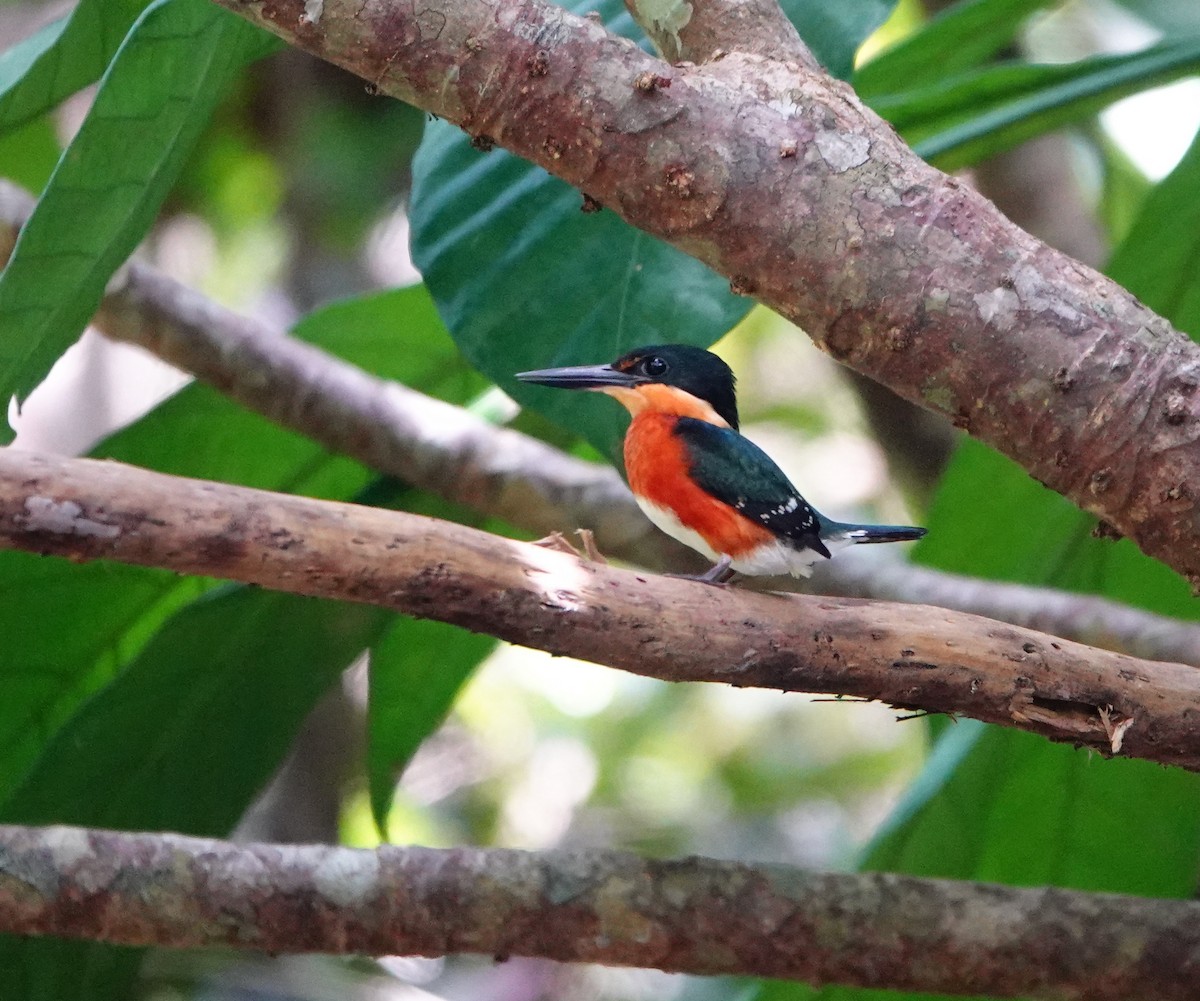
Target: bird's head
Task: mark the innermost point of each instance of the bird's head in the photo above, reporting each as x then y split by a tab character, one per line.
665	378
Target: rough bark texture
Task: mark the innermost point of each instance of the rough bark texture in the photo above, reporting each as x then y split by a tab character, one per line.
695	915
779	178
923	658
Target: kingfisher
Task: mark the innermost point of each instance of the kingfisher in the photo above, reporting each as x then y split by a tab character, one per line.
699	479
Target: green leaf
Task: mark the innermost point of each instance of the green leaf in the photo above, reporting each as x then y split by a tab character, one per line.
1123	191
985	824
834	31
396	334
524	280
200	719
961	121
153	102
417	669
51	969
70	629
1160	257
93	619
29	153
964	35
38	73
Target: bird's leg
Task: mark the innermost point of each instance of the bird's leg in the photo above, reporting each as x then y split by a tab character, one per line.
558	542
588	538
718	574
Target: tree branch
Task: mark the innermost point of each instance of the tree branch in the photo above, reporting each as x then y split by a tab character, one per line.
387	426
453	454
660	627
692	915
1081	617
896	269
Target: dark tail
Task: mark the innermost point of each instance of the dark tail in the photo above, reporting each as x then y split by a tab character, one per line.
872	533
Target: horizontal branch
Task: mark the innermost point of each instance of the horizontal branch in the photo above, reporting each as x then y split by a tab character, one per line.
502	473
423	441
807	200
693	915
660	627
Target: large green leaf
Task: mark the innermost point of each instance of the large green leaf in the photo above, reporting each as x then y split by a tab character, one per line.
29	153
524	280
964	35
74	628
153	101
38	73
984	823
1160	257
416	670
200	719
52	969
71	629
834	31
962	120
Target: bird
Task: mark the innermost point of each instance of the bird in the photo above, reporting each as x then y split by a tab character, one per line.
698	479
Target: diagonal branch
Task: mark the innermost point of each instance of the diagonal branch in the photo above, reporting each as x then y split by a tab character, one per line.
675	630
691	915
810	202
501	473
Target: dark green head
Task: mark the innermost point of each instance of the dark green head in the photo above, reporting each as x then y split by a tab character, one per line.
695	371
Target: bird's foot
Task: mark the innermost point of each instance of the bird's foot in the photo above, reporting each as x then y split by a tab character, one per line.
720	574
558	542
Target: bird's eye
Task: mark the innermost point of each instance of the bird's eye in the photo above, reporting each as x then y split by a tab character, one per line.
655	367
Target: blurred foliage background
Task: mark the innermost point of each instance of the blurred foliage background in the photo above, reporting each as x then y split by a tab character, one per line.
278	185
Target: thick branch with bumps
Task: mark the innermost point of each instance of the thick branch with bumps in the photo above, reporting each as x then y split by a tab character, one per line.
935	659
808	201
694	915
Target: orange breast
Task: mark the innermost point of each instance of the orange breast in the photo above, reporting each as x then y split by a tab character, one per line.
657	463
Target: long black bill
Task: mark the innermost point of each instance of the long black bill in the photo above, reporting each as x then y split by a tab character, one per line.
581	377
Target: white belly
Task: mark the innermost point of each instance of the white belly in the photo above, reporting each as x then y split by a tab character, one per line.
664	518
774	559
